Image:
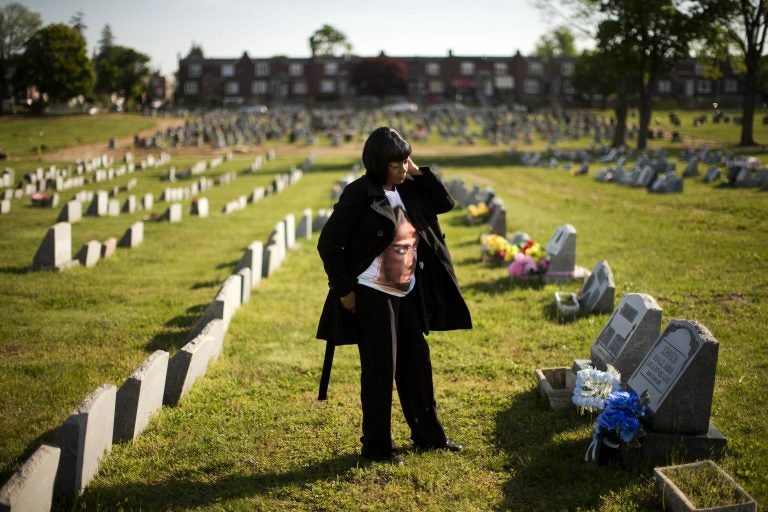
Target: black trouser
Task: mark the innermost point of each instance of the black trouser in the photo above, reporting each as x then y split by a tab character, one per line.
391	345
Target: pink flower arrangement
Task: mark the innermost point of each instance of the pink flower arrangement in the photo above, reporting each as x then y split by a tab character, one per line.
529	259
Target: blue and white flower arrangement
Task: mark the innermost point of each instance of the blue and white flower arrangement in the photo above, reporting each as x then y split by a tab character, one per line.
619	422
593	386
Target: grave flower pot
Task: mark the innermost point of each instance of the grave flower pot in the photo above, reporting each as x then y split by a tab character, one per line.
701	486
567	305
556	385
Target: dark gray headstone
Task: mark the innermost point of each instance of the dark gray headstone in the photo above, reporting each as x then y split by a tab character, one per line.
498	220
632	329
679	374
598	293
191	361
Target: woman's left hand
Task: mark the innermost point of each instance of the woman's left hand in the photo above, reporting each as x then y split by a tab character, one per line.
412	168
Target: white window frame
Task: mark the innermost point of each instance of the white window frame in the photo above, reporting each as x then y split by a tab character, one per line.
331	69
504	82
535	68
191	88
432	69
327	86
467	68
299	88
664	86
567	68
259	87
232	88
262	69
531	86
227	70
500	68
296	69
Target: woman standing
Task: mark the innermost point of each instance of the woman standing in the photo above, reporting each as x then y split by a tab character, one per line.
391	281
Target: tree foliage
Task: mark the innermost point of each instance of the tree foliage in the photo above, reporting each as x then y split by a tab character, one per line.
107	38
380	76
77	22
560	43
195	51
327	40
120	70
17	25
56	62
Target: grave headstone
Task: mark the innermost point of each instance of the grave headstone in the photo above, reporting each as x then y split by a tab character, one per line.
108	248
271	259
30	489
245	284
89	254
598	293
113	208
72	212
140	396
561	253
148	201
84	438
632	328
129	206
55	251
679	374
498	219
252	259
5	206
289	230
173	213
304	229
199	207
713	174
133	236
191	361
99	204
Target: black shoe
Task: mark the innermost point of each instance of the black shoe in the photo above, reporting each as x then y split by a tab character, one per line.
450	445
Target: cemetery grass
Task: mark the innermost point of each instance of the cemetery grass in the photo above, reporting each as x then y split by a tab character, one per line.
251	434
22	137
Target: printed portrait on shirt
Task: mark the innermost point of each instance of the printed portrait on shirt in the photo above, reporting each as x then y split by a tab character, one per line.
398	261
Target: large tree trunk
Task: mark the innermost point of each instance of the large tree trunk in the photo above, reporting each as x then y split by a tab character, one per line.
645	115
748	104
620	109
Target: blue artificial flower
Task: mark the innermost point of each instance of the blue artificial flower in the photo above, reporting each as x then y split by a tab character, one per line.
627	401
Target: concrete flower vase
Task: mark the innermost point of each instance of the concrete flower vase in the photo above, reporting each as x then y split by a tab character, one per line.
701	486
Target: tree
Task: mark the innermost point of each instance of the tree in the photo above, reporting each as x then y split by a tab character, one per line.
647	37
17	24
327	40
195	51
597	72
76	21
380	76
746	22
56	62
107	38
561	43
120	70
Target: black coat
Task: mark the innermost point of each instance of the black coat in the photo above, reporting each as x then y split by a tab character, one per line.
362	225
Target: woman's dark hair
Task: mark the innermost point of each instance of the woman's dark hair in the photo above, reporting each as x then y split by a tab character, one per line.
384	145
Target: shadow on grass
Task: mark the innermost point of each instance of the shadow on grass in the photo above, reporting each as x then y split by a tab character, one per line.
228	264
544	458
500	285
15	270
177	330
184	493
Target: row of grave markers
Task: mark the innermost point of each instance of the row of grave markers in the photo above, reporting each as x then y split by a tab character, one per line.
677	367
110	415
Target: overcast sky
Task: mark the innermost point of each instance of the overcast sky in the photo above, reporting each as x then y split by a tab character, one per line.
165	29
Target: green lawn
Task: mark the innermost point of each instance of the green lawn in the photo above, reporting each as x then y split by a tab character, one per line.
24	137
251	435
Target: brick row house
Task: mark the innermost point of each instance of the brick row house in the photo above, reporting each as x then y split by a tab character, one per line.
517	79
